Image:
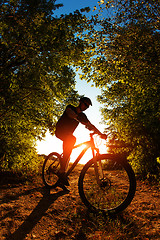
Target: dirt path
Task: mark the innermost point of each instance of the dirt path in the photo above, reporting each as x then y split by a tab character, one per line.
28	211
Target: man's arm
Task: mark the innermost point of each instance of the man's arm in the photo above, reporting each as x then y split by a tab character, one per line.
71	113
90	126
93	128
81	117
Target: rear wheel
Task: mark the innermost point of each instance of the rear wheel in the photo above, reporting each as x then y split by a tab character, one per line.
50	169
116	188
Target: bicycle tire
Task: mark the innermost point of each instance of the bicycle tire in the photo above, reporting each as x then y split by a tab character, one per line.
50	168
116	190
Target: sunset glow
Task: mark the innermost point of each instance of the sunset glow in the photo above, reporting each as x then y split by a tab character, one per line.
53	144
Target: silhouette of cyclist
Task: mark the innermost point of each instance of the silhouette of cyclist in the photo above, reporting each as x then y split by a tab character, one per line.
65	127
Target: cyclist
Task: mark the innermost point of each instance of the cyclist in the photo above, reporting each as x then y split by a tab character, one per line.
65	127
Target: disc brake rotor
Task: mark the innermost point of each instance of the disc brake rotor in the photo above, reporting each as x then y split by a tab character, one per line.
105	183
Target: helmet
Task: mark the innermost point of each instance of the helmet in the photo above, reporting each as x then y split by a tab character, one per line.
86	100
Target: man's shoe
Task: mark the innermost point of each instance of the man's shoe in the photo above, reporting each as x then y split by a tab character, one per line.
63	179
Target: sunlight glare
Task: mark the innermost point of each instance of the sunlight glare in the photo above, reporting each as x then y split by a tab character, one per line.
82	135
53	144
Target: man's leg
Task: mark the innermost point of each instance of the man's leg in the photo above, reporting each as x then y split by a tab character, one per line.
68	144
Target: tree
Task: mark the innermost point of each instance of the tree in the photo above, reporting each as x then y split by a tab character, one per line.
126	65
38	51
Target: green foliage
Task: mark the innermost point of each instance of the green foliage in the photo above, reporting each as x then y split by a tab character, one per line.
17	145
126	66
38	51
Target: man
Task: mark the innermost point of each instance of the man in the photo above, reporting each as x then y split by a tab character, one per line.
66	125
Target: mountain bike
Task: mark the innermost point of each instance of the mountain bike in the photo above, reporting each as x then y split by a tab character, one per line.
106	183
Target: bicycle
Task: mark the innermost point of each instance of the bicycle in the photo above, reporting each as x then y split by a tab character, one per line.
106	183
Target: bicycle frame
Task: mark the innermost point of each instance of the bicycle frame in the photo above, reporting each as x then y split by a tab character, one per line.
95	153
106	183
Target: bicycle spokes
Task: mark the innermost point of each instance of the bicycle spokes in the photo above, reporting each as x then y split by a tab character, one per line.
50	170
113	192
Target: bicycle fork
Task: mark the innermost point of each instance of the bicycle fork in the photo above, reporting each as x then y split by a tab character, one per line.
98	168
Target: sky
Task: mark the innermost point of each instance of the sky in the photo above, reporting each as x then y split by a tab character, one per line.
51	143
72	5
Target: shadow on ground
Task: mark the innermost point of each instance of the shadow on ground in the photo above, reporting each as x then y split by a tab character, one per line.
35	215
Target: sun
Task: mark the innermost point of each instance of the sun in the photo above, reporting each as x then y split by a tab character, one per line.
82	135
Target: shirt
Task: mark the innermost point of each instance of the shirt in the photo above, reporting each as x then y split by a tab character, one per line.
66	124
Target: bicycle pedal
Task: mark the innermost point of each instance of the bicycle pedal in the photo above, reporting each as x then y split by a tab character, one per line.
63	187
63	179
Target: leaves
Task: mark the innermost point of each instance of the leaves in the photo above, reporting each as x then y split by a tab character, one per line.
37	80
125	64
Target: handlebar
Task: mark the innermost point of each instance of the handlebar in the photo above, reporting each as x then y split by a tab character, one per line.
96	131
102	135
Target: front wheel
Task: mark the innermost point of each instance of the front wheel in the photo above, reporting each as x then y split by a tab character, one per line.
114	191
50	169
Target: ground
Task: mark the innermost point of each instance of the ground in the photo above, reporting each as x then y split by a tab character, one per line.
29	211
